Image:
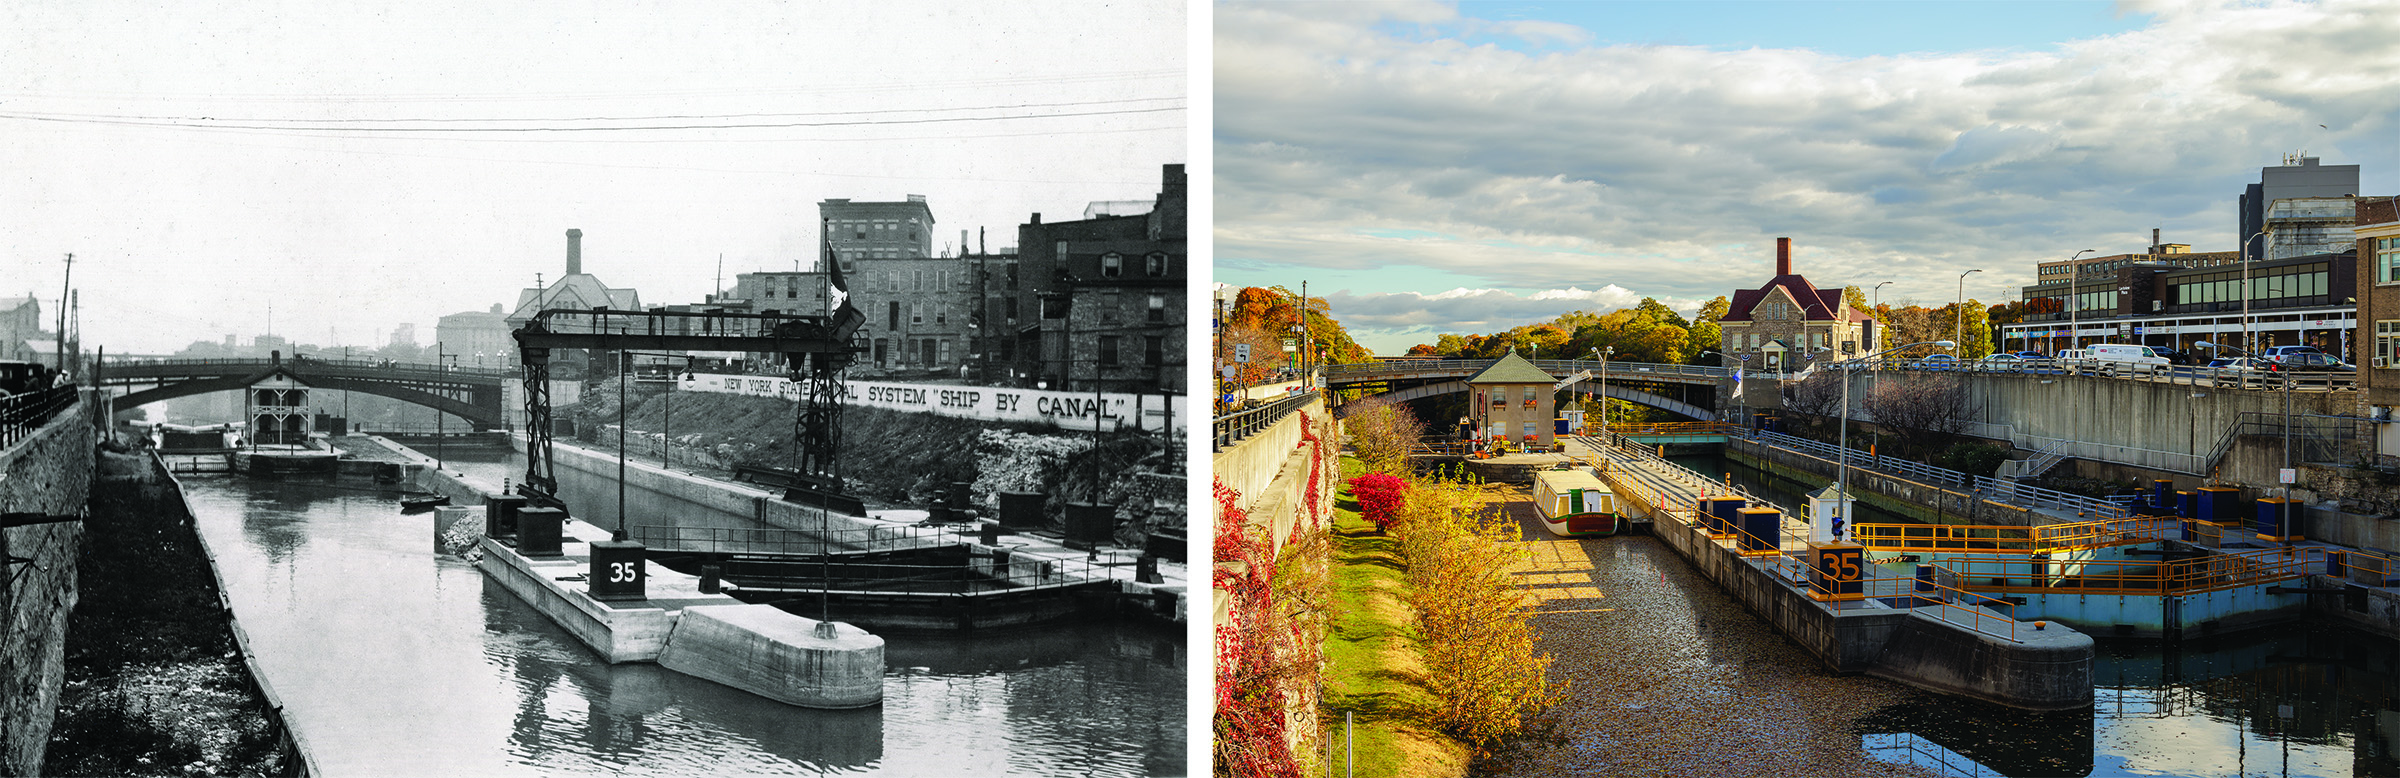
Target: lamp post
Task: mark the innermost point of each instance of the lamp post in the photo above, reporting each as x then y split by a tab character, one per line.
1841	496
2287	424
1604	355
441	365
2074	327
1959	316
1744	403
2249	341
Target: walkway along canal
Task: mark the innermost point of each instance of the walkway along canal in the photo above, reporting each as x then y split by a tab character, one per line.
394	660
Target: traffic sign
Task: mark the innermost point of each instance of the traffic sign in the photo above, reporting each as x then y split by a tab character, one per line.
1241	353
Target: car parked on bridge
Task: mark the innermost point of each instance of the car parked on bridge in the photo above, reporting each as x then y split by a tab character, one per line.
2308	362
1999	363
2113	358
1937	362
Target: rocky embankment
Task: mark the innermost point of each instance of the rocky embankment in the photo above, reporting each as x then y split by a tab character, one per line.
154	684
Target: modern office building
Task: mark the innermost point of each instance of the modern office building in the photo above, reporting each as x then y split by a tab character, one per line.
2299	177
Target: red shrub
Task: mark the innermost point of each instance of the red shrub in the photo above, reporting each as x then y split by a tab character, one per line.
1379	498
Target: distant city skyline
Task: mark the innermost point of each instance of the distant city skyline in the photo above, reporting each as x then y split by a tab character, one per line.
1436	168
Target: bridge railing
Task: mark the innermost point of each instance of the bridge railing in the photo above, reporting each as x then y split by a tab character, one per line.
2148	577
24	412
2011	539
1234	427
428	368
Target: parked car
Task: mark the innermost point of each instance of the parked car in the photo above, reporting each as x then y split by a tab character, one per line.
1999	363
2176	356
2242	364
2312	362
1937	362
2277	353
2114	357
2029	355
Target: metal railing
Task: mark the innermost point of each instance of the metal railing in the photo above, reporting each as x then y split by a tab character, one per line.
1669	428
1232	428
2362	567
115	365
2145	577
23	413
2008	492
778	541
1980	612
2005	539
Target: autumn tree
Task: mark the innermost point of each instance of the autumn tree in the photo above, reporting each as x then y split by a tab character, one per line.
1484	670
1706	334
1382	432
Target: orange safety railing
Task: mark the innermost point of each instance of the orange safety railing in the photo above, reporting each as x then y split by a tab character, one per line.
2215	572
1959	606
2363	567
2003	539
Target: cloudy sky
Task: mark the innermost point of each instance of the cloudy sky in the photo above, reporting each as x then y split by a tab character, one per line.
1437	167
353	166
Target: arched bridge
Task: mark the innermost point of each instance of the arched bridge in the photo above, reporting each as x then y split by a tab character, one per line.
1412	379
471	393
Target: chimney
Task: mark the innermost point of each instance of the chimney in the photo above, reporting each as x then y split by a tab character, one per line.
1783	256
574	251
2154	240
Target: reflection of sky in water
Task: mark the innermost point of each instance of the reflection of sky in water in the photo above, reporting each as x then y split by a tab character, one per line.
393	661
2296	699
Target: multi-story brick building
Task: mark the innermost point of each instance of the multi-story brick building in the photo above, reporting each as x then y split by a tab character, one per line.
2377	226
1109	294
1513	400
1779	325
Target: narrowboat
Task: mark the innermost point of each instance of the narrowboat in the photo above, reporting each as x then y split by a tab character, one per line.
1575	503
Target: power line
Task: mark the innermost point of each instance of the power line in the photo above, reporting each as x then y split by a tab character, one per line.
986	83
634	128
213	121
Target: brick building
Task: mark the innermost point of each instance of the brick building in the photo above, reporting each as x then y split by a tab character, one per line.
478	338
1780	324
1513	400
2377	224
1108	294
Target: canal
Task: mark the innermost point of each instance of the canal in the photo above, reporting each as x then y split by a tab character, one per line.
392	660
1668	676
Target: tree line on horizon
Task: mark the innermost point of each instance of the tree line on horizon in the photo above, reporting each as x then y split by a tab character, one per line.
1651	332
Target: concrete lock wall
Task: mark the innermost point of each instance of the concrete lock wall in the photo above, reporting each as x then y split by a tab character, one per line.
2117	411
1249	466
49	472
2053	672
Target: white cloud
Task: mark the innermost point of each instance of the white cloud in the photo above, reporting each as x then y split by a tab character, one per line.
1341	144
1389	323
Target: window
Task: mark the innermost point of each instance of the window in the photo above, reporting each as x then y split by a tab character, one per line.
860	228
925	351
895	317
1112	265
1108	349
941	314
943	352
1158	308
2387	260
1154	350
1061	254
1109	306
2387	344
1156	264
1012	309
883	354
1012	278
770	294
916	312
916	281
1529	433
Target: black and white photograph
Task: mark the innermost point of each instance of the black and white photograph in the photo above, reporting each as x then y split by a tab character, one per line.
624	388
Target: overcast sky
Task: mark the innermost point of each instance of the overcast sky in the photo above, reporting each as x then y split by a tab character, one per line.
118	143
1433	167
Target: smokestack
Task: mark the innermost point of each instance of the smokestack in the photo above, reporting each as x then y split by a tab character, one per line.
2154	240
1783	256
574	251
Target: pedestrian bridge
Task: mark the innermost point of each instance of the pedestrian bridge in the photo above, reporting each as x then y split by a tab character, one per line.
1634	382
471	393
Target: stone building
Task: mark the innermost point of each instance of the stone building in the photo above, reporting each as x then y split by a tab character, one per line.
1514	401
1109	293
1779	325
478	338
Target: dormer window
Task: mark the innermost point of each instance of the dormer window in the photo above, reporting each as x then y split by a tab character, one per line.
1112	265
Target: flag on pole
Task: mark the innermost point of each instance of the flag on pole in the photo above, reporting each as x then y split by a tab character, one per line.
844	317
1737	380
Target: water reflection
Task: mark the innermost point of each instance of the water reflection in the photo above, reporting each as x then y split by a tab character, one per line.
394	661
2301	699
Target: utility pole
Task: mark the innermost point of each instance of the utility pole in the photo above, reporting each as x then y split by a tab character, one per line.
1305	385
62	312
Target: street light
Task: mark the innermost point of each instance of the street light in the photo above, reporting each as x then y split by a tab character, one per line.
1878	292
1959	314
1604	355
1841	496
2284	525
2247	339
2074	276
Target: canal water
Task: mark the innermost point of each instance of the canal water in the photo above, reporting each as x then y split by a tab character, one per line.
392	660
2299	700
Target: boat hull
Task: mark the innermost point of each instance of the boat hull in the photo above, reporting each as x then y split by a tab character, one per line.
1589	524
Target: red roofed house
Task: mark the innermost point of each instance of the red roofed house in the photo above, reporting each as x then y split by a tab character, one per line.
1780	323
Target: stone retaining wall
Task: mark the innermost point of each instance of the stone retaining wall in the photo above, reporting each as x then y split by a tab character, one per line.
49	472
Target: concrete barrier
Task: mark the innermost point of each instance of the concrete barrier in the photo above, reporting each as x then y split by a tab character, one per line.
616	634
765	651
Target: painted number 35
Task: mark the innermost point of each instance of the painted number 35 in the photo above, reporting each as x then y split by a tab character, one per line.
620	572
1839	567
